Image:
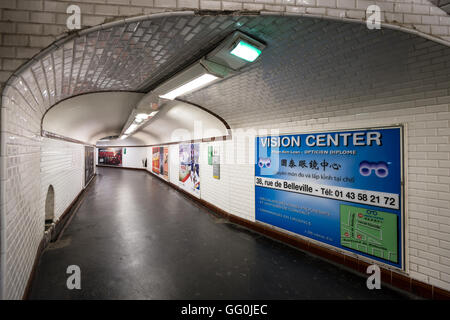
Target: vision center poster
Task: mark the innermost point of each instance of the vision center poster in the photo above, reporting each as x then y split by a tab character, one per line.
342	188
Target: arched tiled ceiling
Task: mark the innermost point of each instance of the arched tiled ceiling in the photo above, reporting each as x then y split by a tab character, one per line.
90	117
138	54
442	4
179	121
314	69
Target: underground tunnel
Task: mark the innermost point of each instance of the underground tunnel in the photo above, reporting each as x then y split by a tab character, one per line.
245	151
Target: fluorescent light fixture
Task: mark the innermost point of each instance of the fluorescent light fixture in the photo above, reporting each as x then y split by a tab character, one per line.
246	51
141	116
153	113
192	85
236	51
131	128
123	137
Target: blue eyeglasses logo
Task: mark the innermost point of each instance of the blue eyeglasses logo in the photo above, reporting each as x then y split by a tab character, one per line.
264	162
380	168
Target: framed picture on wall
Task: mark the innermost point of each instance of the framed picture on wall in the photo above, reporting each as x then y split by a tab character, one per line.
88	164
110	156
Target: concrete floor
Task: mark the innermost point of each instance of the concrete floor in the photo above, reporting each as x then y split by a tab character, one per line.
134	237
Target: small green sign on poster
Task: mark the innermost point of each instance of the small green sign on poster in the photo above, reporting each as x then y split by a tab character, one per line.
124	150
210	155
369	231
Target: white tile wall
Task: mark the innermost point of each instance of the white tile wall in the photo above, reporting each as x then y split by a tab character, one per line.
29	163
213	190
62	166
133	157
21	224
174	163
149	159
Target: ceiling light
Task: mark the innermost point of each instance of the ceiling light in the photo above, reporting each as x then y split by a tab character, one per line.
236	51
192	85
141	116
246	51
196	76
131	128
228	58
123	137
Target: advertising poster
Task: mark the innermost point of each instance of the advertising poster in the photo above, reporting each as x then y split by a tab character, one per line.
155	160
341	188
189	171
88	164
165	161
216	163
110	156
160	161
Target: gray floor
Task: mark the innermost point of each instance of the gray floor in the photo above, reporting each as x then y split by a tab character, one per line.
134	237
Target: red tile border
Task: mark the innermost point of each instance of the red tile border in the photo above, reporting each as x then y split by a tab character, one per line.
351	262
401	281
440	294
421	289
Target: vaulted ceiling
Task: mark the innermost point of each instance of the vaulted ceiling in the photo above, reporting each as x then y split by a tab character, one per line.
309	66
91	117
443	4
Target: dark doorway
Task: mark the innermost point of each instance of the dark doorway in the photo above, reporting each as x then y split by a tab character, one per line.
49	207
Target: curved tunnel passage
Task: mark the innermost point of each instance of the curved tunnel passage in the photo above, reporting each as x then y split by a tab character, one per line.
314	75
148	241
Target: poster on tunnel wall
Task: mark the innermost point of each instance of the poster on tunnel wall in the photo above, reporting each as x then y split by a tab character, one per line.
341	188
155	160
160	161
165	163
189	170
110	156
88	164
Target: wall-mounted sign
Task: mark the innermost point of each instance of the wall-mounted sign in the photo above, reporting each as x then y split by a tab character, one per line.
189	170
155	160
88	164
160	161
165	162
216	163
210	155
341	188
110	156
